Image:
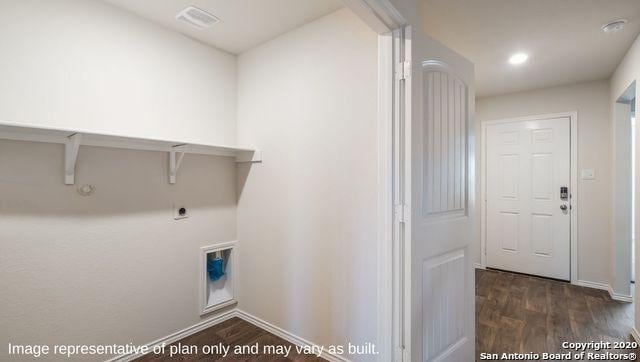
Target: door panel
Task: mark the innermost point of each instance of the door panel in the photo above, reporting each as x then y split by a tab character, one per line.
442	205
527	163
509	237
444	146
509	166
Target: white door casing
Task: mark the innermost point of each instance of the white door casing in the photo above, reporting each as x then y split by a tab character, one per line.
527	162
441	152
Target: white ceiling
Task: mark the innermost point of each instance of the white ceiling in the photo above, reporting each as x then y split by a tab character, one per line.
562	37
243	24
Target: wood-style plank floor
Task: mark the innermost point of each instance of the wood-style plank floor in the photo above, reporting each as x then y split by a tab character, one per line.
514	313
519	314
232	332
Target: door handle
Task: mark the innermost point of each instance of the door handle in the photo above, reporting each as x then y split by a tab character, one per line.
563	207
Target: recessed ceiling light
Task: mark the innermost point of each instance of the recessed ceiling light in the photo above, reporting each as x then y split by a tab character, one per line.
518	58
197	17
614	26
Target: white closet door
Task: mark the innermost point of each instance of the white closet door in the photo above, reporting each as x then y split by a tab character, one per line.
528	222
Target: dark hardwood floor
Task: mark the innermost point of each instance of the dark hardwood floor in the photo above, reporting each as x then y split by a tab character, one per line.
520	314
514	314
232	332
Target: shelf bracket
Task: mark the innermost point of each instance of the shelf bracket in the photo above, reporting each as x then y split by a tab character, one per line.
71	147
175	159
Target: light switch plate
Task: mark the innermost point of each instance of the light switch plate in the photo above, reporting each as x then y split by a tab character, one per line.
588	174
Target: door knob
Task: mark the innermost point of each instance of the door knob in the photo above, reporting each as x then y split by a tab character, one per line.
563	207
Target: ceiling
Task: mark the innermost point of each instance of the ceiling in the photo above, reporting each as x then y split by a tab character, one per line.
243	24
562	37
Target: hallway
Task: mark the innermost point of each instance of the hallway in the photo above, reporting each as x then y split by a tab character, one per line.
519	313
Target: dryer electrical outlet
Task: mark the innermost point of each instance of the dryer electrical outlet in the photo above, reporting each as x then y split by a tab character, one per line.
180	212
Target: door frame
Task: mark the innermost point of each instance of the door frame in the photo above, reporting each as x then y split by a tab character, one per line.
383	18
622	211
573	141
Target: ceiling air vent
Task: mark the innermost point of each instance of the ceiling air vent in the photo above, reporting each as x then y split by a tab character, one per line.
197	17
614	26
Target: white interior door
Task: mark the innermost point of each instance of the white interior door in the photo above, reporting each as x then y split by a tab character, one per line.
528	220
442	198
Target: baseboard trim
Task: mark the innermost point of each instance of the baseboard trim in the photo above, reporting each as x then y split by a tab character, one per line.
635	335
174	337
479	266
620	297
595	285
607	287
287	336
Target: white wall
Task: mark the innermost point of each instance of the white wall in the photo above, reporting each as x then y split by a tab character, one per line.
591	100
307	214
624	75
627	71
86	65
110	268
113	267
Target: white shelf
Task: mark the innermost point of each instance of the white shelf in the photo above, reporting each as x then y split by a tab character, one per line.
73	139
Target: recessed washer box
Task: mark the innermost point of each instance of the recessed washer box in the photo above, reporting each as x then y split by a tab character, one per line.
222	292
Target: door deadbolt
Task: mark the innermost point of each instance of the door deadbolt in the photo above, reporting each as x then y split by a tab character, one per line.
564	193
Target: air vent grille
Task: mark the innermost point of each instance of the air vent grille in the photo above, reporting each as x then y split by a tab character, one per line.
614	26
197	17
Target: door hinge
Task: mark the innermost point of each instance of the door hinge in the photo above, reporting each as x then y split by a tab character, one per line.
401	213
403	70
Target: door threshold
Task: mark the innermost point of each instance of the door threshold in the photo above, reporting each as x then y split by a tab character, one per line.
529	275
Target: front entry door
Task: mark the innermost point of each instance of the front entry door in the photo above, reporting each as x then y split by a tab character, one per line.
528	205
